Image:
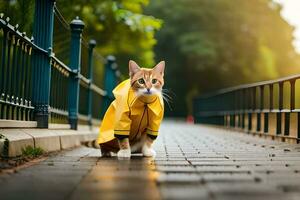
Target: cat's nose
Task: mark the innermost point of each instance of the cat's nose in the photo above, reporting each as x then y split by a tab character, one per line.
148	90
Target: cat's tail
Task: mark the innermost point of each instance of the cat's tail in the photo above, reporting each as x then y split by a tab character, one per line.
92	144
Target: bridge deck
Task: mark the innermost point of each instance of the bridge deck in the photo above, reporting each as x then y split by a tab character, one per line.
193	162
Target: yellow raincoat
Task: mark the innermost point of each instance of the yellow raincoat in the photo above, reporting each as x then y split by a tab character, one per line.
131	116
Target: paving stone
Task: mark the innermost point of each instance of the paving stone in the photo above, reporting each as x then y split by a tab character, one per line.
222	169
179	178
100	195
191	192
113	179
177	169
243	190
228	178
192	162
292	196
272	169
63	159
214	163
171	162
54	178
241	187
249	196
286	158
252	159
175	158
199	159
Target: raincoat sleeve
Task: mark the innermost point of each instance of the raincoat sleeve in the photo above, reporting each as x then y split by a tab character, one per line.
122	117
122	125
154	124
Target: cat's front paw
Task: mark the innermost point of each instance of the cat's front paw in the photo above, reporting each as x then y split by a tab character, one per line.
148	151
124	153
105	154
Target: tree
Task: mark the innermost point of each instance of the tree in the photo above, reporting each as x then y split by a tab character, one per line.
119	26
215	44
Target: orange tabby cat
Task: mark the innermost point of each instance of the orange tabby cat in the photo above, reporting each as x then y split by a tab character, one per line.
134	117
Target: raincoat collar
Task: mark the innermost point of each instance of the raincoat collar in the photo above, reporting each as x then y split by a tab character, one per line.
124	94
153	102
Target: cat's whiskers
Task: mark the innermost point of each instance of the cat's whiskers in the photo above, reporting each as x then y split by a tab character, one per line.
167	98
165	93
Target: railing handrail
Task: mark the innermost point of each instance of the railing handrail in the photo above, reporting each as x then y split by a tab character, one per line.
22	36
86	82
260	108
63	65
250	85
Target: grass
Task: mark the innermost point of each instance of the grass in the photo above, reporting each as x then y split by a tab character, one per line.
28	153
32	151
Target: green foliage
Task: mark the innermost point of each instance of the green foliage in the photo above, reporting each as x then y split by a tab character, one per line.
215	44
20	12
119	26
32	151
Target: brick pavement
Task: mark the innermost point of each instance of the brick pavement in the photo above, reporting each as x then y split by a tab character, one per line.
202	162
193	162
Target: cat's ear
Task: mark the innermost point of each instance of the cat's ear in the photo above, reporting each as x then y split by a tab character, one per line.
160	68
133	68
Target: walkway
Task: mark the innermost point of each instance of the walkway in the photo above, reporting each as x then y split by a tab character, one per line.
193	162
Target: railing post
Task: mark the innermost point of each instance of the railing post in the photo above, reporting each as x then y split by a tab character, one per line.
271	97
110	81
279	115
244	99
292	100
76	30
43	37
92	44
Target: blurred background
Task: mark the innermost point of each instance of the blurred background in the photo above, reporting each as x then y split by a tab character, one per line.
206	44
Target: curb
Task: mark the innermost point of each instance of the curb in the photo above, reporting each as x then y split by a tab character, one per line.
12	141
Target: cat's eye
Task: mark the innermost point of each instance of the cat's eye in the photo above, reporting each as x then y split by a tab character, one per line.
141	81
154	81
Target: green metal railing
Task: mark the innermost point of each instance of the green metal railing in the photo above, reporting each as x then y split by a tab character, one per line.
36	84
268	108
16	77
59	93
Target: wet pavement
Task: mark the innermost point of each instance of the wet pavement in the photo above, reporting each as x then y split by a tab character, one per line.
193	162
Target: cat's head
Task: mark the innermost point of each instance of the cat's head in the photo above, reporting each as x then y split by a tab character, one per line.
146	81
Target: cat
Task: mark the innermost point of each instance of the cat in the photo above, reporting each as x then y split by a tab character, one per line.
132	121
